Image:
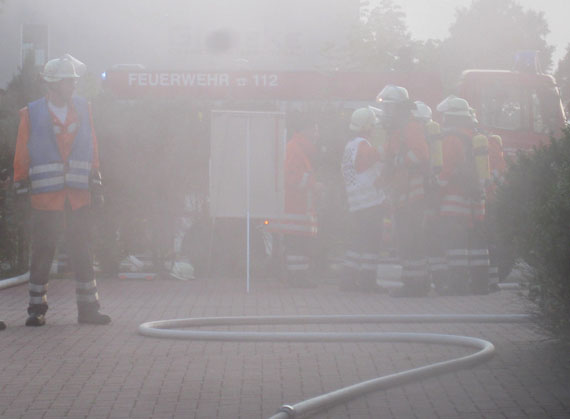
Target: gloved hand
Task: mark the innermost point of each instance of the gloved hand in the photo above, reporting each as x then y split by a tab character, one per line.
96	189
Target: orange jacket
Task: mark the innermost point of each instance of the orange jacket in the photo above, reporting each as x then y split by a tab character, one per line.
299	216
460	187
299	177
408	155
52	201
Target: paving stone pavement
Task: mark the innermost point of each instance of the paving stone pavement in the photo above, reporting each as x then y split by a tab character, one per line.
65	370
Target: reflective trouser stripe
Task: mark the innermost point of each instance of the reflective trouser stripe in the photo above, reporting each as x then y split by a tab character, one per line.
37	293
437	264
37	288
457	258
465	258
351	260
86	286
38	300
296	263
479	257
294	224
361	261
86	292
369	262
414	270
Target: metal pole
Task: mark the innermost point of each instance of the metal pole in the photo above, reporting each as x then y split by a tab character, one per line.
248	187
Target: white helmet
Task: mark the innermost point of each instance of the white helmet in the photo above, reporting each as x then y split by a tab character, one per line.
362	119
422	111
453	105
393	94
65	67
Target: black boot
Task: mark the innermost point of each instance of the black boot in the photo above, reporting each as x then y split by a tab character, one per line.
92	317
36	320
2	325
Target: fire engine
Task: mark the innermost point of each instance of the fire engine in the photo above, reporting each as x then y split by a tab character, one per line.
522	106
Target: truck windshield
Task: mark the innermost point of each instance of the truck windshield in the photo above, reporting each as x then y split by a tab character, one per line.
510	107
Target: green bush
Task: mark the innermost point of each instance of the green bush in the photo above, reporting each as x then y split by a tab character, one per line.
533	215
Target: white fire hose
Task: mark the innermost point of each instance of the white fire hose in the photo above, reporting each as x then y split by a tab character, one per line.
12	282
171	329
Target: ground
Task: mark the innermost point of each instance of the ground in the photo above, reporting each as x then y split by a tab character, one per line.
66	370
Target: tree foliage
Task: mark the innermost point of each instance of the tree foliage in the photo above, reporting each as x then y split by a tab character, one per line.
487	34
490	32
377	42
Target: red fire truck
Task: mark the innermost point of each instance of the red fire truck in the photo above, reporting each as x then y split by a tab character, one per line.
523	107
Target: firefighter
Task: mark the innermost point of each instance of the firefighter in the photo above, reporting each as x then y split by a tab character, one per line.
299	223
361	168
408	172
463	177
56	167
431	233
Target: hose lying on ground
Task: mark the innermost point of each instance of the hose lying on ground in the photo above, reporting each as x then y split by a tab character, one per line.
12	282
167	329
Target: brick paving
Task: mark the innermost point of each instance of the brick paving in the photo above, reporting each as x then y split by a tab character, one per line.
64	370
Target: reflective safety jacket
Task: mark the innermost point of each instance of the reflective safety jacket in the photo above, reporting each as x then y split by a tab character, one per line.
299	216
409	161
462	189
361	169
56	157
48	171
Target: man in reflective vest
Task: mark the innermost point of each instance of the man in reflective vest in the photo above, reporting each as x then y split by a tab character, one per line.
361	167
463	177
299	224
56	165
407	169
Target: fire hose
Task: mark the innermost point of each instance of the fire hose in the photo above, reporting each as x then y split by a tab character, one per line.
171	329
16	280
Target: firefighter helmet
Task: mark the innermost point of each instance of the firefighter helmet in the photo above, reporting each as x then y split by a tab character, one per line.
453	105
64	67
393	94
422	111
362	119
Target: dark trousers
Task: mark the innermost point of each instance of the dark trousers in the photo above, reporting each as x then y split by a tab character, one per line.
298	251
46	229
467	257
412	247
